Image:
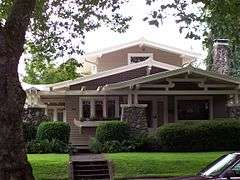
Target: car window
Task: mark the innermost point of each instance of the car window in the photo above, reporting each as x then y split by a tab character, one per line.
236	169
219	166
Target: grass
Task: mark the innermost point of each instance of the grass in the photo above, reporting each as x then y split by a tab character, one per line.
160	164
49	166
55	166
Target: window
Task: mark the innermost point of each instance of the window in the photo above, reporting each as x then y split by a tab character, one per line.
236	169
111	109
193	110
99	110
60	114
86	109
138	57
50	114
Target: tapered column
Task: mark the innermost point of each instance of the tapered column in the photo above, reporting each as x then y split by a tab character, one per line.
92	106
80	109
236	99
129	98
135	98
46	111
117	108
104	107
55	114
64	116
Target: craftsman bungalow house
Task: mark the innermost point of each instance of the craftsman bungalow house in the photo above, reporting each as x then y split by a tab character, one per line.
143	74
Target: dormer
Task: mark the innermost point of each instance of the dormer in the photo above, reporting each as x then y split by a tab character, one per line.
135	52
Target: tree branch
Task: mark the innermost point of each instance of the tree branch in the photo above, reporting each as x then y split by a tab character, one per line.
18	21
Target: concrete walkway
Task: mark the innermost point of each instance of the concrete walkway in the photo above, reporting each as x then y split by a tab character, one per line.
87	157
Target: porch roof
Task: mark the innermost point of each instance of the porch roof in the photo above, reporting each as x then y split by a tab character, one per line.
166	74
149	62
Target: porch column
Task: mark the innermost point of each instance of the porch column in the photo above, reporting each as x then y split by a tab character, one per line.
64	116
55	114
135	98
129	98
80	108
104	107
117	108
46	111
236	99
92	108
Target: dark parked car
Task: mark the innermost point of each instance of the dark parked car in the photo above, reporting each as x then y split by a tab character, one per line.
226	167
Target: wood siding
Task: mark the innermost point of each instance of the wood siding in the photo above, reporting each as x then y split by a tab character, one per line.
120	58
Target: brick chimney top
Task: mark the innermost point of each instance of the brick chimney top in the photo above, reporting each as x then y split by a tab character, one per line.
221	42
221	62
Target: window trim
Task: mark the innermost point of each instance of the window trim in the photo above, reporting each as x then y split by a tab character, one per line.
209	98
140	55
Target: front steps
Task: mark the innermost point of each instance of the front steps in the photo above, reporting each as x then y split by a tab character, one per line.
90	166
90	170
79	149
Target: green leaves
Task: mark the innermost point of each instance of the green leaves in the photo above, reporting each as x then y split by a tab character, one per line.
58	27
40	71
65	22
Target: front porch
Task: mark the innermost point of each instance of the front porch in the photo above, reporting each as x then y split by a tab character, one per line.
183	94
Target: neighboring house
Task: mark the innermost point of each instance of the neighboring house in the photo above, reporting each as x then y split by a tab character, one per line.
141	74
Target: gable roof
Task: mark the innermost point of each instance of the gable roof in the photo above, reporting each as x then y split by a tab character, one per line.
166	74
149	62
142	42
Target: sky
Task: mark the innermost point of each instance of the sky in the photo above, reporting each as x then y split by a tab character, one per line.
167	33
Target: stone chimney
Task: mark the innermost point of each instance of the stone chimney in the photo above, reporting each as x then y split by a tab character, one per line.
221	53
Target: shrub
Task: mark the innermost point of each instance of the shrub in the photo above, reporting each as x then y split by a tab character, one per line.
39	147
46	146
95	146
112	146
58	146
32	117
54	130
112	131
29	131
145	142
200	136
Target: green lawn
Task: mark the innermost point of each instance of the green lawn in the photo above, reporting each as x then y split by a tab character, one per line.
160	164
49	166
55	166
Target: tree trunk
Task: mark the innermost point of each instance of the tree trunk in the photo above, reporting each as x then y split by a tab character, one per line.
13	158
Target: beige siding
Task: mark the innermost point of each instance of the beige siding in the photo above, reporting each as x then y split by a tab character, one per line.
120	57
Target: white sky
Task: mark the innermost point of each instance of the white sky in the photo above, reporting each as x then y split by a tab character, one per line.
165	34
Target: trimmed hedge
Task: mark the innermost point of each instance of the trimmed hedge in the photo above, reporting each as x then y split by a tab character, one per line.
115	136
200	136
112	131
54	130
45	146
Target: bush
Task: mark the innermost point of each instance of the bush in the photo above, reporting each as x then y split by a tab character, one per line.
32	117
95	146
58	146
112	146
112	131
39	147
145	142
45	146
200	136
54	130
29	131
